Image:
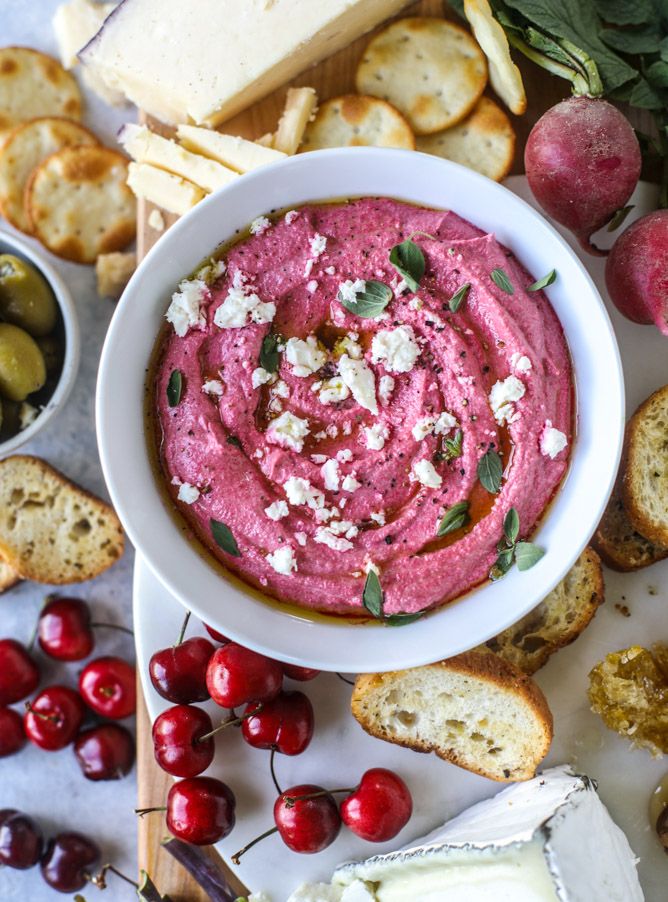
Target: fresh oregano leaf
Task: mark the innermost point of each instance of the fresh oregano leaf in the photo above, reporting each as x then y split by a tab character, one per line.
222	536
544	282
619	217
490	471
511	526
402	619
500	278
233	440
269	355
369	302
454	518
453	446
372	596
459	297
408	260
527	554
503	564
174	388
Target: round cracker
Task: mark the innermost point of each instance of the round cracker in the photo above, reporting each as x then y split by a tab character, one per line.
33	84
431	70
24	149
354	120
484	141
79	204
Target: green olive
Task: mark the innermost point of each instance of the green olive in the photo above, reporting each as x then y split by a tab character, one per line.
22	368
11	420
52	351
26	300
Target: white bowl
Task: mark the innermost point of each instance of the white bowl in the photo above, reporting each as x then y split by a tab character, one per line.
183	568
10	244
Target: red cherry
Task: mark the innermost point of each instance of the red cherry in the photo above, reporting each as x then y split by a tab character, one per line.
307	825
237	675
179	673
108	686
106	752
379	808
200	810
215	634
176	740
19	675
66	862
54	717
64	629
303	674
285	723
12	737
21	840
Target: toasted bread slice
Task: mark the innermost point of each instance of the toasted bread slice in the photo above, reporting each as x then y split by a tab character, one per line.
8	577
51	530
475	710
619	545
645	474
557	621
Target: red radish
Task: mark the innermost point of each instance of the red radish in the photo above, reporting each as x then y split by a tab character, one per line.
582	160
636	272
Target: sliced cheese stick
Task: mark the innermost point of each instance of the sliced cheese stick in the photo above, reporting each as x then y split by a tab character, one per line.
145	146
300	107
237	153
171	192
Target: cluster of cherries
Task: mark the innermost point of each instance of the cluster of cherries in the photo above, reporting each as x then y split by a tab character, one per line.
52	721
200	810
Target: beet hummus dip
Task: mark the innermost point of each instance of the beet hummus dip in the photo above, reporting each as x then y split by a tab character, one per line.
318	418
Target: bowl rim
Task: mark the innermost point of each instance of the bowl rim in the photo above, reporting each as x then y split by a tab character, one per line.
72	355
364	656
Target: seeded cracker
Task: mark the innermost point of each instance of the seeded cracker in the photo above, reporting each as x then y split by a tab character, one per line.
431	70
484	141
79	203
24	149
34	84
354	121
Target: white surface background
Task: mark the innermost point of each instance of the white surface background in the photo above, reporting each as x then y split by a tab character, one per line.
49	785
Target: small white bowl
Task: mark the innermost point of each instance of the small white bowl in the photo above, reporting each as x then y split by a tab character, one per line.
324	643
10	244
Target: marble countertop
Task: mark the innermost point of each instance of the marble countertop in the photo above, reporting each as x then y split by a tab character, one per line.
50	786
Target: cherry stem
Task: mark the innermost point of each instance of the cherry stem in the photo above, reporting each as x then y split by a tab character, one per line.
237	855
184	627
100	882
142	811
349	682
54	718
291	800
230	722
114	626
273	772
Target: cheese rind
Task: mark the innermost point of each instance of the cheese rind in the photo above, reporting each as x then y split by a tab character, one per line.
145	146
204	62
171	192
237	153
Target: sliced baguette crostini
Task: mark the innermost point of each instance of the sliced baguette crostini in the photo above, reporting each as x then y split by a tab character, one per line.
645	479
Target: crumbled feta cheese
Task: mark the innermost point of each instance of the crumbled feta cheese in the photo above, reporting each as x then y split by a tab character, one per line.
348	345
275	406
261	376
318	244
333	390
239	305
378	517
324	536
188	493
395	348
344	455
277	510
332	430
291	215
398	286
370	566
425	473
330	473
305	356
349	289
27	415
300	538
318	458
376	436
343	528
156	220
416	303
385	389
552	441
423	428
503	396
312	286
360	379
259	225
520	362
282	560
347	428
299	491
185	310
330	270
213	387
281	389
350	484
309	266
444	423
288	430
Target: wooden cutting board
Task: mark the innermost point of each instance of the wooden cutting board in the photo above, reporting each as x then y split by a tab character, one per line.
332	77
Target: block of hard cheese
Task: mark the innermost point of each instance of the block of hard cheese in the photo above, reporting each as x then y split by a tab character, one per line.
205	60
